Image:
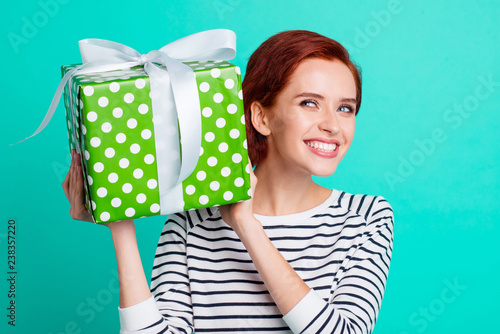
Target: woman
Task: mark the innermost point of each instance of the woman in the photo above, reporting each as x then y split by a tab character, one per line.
297	257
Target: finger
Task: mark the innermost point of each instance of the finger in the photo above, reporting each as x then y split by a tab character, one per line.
65	184
66	181
71	185
77	160
79	186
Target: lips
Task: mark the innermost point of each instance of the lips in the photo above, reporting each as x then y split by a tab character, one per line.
327	148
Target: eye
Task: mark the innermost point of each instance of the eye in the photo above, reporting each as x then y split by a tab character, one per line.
309	103
346	108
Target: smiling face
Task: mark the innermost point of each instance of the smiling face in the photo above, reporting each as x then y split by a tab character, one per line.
311	125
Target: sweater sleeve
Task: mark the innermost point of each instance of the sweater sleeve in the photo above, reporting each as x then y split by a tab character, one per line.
169	310
357	296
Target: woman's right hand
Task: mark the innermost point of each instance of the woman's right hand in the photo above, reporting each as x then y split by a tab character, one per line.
73	189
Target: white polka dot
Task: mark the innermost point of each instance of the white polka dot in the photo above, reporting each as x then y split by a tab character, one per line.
140	83
95	142
245	144
110	152
132	123
209	136
149	159
204	87
103	101
129	212
116	202
228	196
102	192
242	119
203	199
129	98
84	129
240	95
143	108
229	83
88	91
247	168
106	127
223	147
200	68
207	112
232	108
212	161
214	185
138	173
239	182
146	134
201	175
118	112
152	183
114	87
220	122
190	189
218	97
123	163
135	148
201	151
215	72
154	208
249	192
105	216
93	205
236	158
98	167
87	155
234	133
237	70
90	180
113	177
92	116
120	138
127	188
225	171
141	198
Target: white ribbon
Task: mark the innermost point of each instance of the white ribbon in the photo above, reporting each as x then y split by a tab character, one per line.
175	83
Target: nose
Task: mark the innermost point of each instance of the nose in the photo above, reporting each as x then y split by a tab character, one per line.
330	122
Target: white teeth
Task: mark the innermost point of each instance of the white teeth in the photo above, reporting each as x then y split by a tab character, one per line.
322	146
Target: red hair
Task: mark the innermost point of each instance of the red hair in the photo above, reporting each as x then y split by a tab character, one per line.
270	67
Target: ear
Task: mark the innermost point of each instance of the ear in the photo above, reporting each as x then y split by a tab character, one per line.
260	119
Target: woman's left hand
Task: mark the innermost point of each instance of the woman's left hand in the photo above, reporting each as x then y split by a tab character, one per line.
239	213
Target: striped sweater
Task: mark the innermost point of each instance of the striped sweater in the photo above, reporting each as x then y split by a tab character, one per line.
203	278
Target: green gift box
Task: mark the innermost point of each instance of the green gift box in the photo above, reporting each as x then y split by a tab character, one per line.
110	117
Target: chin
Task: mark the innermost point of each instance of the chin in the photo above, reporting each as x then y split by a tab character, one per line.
323	172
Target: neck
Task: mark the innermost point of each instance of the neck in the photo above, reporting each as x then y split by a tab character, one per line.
282	191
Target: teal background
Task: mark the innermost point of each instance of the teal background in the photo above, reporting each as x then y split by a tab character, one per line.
421	63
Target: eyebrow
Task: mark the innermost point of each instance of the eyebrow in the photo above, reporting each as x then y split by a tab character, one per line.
321	97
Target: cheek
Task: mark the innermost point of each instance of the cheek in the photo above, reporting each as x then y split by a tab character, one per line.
348	128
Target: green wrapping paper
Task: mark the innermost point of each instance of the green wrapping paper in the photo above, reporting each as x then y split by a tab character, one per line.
113	125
